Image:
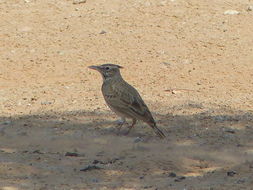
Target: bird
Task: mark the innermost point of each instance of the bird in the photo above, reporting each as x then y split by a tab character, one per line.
124	99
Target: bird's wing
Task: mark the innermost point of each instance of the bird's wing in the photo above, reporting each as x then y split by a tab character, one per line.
129	102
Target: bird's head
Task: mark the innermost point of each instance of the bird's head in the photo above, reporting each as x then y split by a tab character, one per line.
107	70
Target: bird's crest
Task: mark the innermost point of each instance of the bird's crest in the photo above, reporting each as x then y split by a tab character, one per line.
112	65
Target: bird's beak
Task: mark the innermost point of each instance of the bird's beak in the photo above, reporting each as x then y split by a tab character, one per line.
94	67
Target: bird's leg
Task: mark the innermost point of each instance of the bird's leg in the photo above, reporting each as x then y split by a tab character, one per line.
131	126
121	122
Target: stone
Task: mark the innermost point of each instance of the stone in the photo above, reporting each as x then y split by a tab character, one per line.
231	12
250	8
79	1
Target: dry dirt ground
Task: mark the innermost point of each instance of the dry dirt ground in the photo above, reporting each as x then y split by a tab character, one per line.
192	64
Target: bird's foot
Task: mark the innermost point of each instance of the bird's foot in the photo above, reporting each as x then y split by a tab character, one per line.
120	123
129	129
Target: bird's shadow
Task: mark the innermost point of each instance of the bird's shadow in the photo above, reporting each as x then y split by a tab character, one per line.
200	145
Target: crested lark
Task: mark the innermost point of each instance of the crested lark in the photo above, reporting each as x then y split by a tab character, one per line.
124	99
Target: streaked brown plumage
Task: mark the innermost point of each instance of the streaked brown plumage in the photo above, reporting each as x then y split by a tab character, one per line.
124	99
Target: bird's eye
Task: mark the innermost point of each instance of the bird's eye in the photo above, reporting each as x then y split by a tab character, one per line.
107	68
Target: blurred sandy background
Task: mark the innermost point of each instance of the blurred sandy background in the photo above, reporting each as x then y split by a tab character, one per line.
192	64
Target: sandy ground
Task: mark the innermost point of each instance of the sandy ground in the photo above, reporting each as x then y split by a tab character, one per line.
192	64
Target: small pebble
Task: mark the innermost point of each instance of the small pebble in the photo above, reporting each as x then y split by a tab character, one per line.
90	167
240	181
46	103
96	162
231	12
180	178
79	1
231	173
172	174
230	131
60	52
37	152
250	8
166	63
137	139
74	154
102	32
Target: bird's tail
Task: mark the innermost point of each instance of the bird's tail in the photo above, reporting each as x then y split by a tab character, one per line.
158	131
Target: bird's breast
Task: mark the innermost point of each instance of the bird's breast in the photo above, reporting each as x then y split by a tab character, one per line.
108	89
